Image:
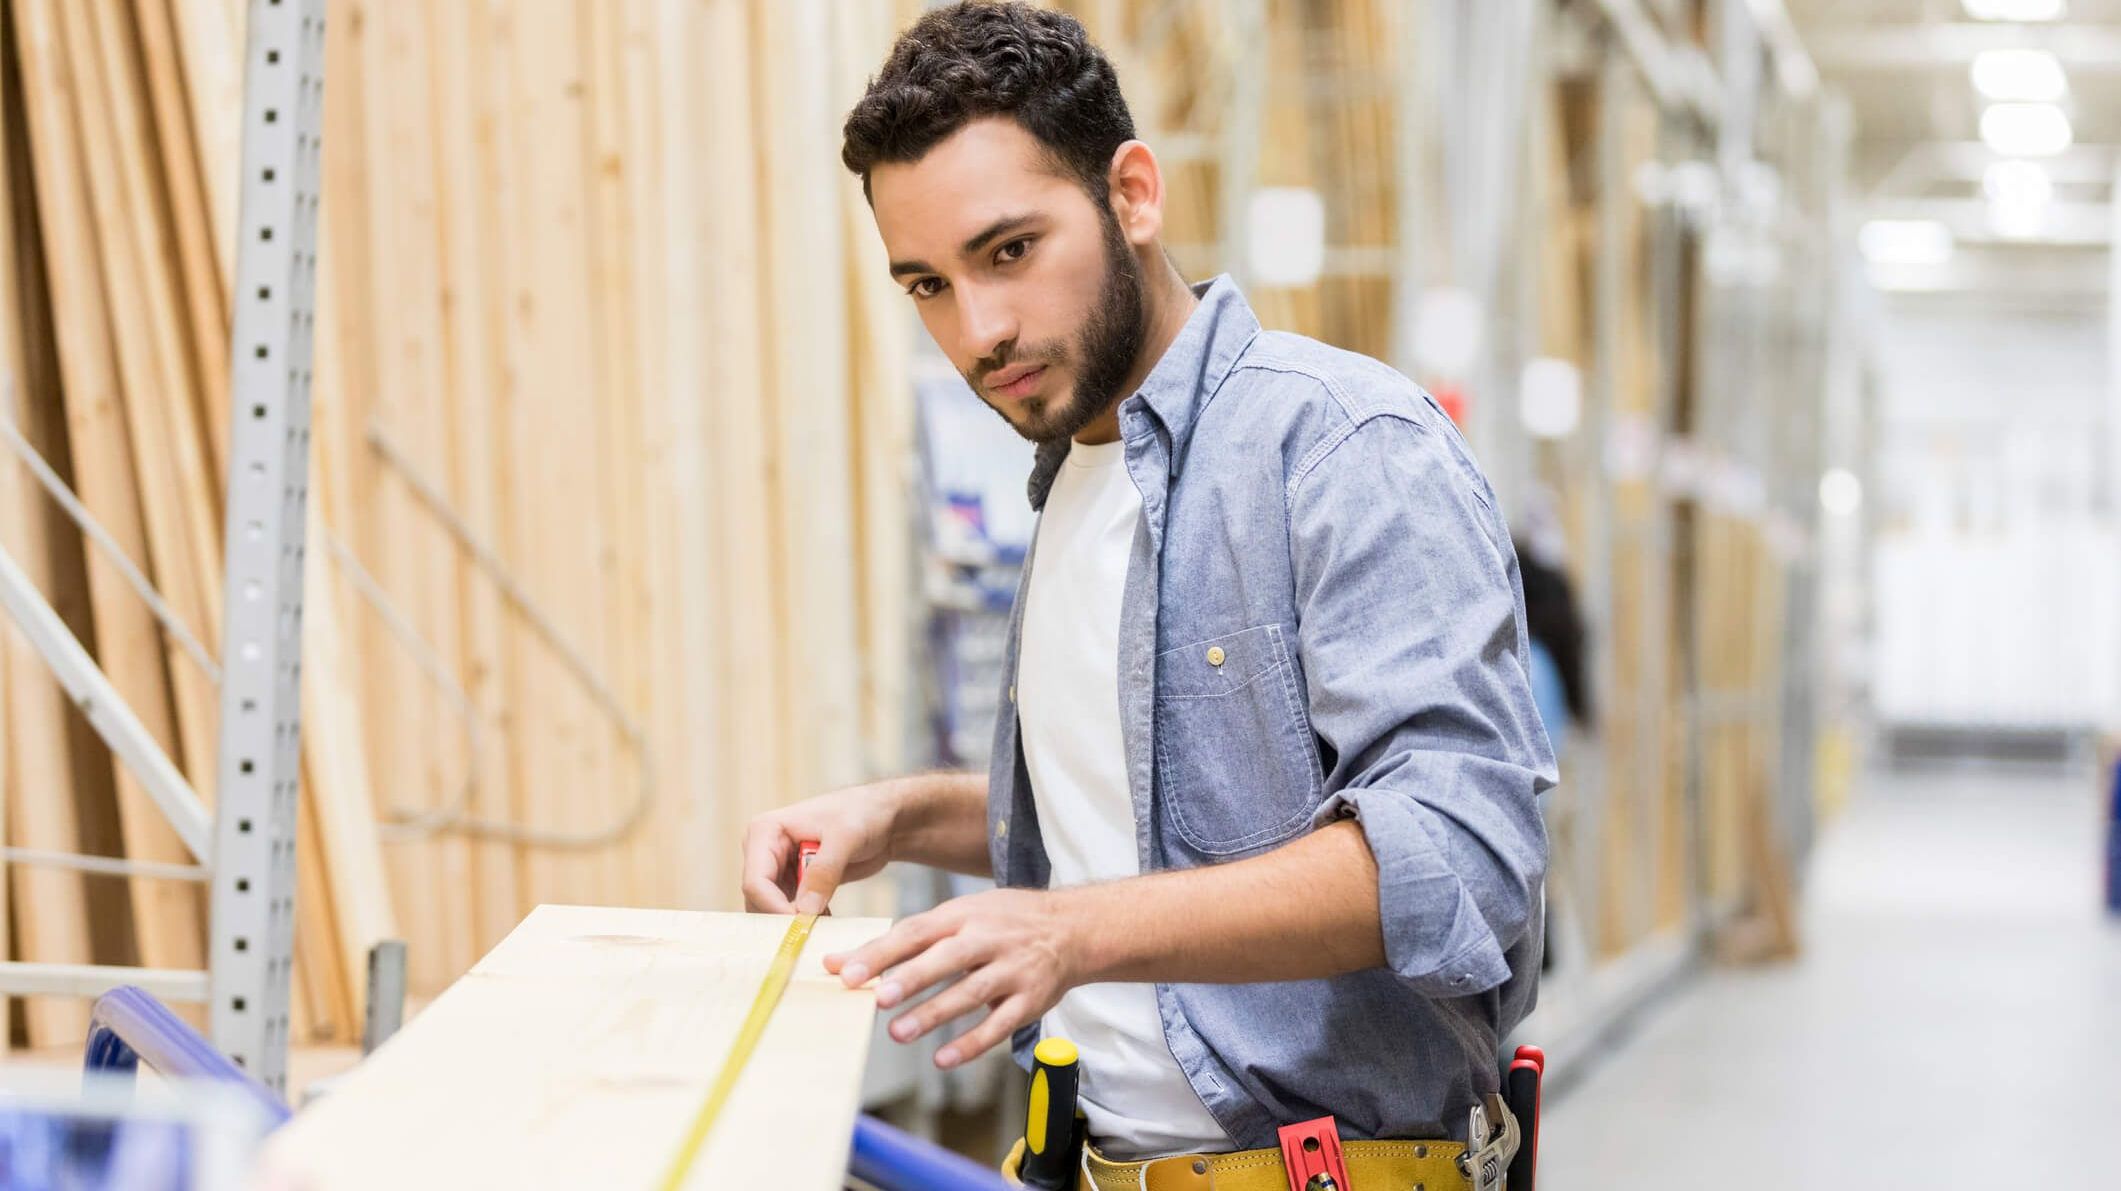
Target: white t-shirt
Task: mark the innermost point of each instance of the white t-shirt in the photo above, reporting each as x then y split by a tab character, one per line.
1138	1102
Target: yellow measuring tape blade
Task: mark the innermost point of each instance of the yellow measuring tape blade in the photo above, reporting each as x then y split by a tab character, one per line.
747	1040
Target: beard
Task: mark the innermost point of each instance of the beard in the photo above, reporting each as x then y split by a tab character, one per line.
1103	352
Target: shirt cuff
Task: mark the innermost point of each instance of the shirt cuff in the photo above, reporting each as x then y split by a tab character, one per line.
1436	938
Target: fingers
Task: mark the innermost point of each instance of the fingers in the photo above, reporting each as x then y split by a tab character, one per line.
975	990
827	866
766	851
931	967
895	946
998	1026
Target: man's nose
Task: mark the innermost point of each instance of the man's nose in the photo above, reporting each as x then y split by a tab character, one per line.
986	324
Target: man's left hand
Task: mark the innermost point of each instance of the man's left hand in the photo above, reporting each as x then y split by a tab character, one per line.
1012	951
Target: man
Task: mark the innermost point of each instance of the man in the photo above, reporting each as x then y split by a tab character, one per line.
1263	798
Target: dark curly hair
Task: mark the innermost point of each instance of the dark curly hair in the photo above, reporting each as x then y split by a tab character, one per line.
958	64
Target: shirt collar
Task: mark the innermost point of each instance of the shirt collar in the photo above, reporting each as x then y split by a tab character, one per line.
1189	372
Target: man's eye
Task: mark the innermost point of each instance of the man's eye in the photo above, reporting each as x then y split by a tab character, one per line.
1014	250
926	287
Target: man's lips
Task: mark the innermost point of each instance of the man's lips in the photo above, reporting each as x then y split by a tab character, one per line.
1018	383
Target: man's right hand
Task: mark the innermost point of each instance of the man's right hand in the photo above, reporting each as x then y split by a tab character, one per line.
853	829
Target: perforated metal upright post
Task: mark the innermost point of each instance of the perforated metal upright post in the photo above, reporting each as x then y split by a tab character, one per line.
268	495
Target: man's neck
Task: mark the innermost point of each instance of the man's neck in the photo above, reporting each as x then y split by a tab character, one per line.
1169	302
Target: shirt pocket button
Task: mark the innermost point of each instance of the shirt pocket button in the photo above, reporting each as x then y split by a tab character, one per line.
1215	655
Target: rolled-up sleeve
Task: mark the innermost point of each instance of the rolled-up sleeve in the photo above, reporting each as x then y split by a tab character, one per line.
1411	633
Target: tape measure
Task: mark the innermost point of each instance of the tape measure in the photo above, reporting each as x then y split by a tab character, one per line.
778	973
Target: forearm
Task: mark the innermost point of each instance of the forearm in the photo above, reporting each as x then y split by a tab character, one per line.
1304	911
941	821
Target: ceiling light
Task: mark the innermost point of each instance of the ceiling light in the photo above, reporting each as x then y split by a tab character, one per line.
2016	10
2025	129
2033	75
1906	242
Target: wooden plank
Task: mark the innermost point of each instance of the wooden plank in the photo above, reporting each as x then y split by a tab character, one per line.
577	1052
321	1000
882	416
804	290
466	115
178	498
205	299
10	645
415	741
628	319
34	760
687	590
338	776
614	341
103	475
754	769
556	522
209	36
334	738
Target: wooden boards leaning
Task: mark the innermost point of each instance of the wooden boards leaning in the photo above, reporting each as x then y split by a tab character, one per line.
576	1053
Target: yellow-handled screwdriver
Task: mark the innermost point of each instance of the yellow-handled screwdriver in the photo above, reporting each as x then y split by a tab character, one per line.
1053	1129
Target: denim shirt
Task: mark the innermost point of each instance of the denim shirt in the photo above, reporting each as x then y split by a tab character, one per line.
1322	619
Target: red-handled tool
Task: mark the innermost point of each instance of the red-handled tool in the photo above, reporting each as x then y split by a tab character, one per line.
1521	1092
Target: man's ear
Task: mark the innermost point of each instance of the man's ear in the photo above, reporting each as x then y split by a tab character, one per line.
1136	182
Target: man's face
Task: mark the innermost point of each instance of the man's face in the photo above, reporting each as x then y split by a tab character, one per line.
1020	277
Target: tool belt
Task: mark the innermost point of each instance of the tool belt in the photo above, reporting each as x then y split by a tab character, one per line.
1371	1165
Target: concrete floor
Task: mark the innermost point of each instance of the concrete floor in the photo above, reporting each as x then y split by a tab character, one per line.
1955	1020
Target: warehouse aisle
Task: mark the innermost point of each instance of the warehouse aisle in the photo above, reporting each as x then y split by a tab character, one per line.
1957	971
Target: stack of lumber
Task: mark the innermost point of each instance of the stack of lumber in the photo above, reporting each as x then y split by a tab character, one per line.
1643	820
1326	108
609	537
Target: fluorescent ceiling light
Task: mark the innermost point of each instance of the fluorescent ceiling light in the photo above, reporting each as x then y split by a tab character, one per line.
2030	75
1906	242
2016	10
2026	129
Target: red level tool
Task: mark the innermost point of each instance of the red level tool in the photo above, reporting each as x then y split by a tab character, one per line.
1310	1154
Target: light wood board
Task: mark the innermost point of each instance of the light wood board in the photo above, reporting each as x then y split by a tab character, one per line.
577	1052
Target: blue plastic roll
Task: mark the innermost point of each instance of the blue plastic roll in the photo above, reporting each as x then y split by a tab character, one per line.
890	1160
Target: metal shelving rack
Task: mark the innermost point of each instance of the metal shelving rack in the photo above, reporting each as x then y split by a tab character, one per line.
245	847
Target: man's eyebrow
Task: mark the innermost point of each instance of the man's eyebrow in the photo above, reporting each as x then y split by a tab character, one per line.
987	235
995	230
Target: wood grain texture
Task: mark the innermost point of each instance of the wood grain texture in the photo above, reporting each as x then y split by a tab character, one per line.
102	467
641	348
576	1053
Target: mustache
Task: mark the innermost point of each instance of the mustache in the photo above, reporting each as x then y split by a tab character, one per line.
1045	354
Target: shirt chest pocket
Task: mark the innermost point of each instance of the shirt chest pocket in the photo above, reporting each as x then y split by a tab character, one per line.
1236	766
